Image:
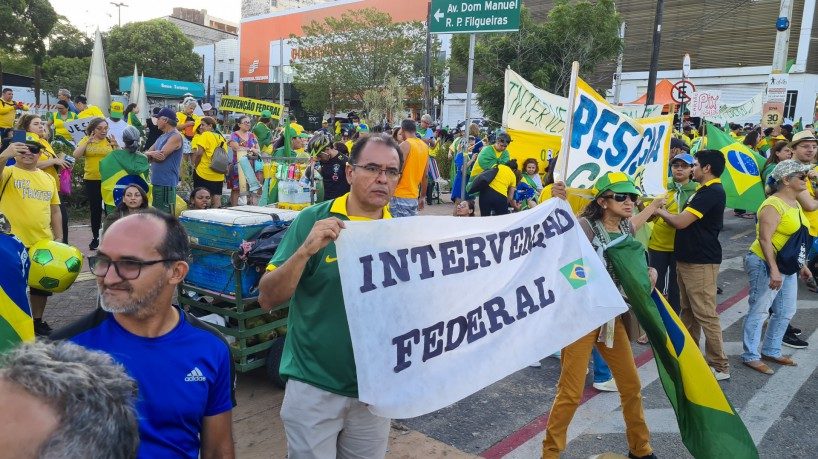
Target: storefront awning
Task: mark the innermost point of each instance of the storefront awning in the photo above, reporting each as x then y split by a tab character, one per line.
165	88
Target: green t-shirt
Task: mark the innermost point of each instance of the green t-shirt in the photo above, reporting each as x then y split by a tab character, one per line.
263	134
318	349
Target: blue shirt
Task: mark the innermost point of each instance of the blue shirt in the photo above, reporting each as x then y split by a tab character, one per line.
166	173
183	376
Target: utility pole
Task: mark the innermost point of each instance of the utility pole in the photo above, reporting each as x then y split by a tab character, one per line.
427	65
654	56
782	38
119	11
618	75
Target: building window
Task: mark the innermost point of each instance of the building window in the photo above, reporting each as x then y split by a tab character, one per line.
231	76
789	105
221	77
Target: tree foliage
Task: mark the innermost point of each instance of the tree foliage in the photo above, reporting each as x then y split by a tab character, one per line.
340	58
26	24
67	41
70	73
385	103
542	53
157	47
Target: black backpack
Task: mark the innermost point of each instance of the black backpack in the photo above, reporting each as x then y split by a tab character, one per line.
265	245
793	255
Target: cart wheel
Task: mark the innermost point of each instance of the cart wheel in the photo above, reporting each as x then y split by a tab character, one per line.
274	361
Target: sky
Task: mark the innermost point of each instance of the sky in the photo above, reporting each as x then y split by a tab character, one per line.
87	15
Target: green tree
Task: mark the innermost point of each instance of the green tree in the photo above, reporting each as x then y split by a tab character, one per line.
26	25
340	58
70	73
157	47
542	53
68	41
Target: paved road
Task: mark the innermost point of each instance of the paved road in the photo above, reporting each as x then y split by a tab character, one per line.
507	419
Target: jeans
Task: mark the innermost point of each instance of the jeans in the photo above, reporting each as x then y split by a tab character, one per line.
665	265
602	372
403	207
762	298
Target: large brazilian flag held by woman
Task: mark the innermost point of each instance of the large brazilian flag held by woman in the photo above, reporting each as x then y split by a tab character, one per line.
708	423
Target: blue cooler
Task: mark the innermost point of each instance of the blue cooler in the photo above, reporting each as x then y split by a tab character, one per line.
214	271
283	215
223	228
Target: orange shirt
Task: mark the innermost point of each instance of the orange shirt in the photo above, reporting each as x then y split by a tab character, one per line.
413	169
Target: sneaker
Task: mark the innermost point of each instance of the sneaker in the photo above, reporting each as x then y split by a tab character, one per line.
94	244
794	342
607	386
634	456
720	376
793	331
536	364
41	328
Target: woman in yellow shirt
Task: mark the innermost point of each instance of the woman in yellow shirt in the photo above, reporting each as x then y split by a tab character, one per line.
499	196
94	146
203	145
780	218
49	162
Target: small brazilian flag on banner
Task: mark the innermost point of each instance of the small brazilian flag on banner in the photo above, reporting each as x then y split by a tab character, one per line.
575	273
708	423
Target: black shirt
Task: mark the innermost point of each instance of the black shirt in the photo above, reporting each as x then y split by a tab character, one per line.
333	171
699	242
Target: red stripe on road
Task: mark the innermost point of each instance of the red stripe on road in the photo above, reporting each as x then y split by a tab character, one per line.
528	431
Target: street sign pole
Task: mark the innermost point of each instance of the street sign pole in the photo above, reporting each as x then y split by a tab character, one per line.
465	139
685	72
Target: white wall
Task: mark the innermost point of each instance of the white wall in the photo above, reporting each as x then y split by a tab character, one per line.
220	59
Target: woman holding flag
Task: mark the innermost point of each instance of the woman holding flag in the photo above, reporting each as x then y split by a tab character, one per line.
607	220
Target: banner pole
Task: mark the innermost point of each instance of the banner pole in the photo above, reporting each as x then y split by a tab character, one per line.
569	125
465	139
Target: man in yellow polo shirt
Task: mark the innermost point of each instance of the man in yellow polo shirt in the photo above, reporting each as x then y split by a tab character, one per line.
414	178
87	111
321	397
28	198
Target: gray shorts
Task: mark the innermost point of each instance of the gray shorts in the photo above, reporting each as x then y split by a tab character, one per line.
403	207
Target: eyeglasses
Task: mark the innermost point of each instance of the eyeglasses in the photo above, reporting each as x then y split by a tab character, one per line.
621	197
375	170
680	165
125	269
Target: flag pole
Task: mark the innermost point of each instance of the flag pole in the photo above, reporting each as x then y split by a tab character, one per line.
565	147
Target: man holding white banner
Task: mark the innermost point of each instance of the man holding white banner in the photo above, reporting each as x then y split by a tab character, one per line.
322	415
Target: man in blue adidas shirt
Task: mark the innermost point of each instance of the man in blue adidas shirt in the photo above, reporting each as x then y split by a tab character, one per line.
183	367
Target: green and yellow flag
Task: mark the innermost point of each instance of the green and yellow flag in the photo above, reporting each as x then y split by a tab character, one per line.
742	173
708	423
118	170
16	324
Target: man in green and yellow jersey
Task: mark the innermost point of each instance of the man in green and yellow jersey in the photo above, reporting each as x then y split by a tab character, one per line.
321	397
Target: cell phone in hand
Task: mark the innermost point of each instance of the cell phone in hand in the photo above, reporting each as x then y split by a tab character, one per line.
18	135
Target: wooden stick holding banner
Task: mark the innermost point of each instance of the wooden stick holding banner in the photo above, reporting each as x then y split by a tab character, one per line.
565	147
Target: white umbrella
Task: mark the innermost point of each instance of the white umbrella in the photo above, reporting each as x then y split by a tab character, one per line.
97	89
133	98
143	101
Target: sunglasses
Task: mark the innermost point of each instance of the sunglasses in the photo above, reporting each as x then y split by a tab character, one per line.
621	197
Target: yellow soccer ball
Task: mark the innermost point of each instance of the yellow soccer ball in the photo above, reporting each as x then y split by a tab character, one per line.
54	266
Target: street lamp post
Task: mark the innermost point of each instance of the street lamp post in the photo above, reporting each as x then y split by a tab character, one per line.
119	11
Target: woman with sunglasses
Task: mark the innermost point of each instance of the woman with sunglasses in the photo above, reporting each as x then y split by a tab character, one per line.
780	217
609	217
96	145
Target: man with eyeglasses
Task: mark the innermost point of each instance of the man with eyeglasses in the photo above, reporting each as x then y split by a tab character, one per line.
698	256
182	366
29	199
411	190
322	415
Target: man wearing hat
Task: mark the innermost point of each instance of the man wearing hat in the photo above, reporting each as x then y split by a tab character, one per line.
677	147
117	125
166	160
698	256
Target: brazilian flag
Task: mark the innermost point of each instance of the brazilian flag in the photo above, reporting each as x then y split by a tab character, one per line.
118	170
742	173
16	324
708	423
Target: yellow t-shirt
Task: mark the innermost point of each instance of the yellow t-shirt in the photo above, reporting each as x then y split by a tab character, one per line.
663	237
349	145
576	201
27	202
94	153
181	118
298	128
789	224
59	124
812	215
208	141
91	111
505	178
413	169
46	153
7	112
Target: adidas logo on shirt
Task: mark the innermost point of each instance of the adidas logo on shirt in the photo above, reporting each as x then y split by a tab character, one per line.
195	375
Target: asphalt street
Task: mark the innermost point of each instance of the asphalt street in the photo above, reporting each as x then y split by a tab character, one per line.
507	419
